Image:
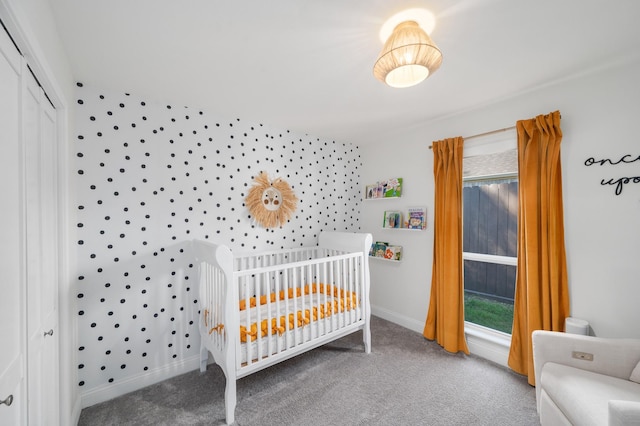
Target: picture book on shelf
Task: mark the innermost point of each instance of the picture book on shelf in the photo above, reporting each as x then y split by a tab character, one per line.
393	253
386	251
392	187
371	191
416	218
378	248
389	188
392	219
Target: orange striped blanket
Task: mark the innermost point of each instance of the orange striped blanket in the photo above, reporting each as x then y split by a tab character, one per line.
341	300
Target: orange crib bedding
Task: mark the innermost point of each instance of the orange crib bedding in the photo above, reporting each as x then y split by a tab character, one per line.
320	301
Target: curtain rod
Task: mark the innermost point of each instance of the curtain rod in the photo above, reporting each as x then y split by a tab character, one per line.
486	133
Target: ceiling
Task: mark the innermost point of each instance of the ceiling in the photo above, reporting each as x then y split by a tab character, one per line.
307	66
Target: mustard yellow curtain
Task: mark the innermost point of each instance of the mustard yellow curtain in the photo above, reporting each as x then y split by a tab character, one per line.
445	319
541	296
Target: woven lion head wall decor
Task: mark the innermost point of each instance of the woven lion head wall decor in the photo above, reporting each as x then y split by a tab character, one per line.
271	202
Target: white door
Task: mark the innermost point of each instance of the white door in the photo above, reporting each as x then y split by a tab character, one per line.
29	390
12	360
39	143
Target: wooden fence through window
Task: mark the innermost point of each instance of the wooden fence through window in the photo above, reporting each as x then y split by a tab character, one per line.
490	227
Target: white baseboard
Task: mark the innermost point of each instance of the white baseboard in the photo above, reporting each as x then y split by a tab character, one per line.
130	384
482	342
396	318
74	416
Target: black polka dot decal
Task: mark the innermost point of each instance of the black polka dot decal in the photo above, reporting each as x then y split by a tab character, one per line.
150	178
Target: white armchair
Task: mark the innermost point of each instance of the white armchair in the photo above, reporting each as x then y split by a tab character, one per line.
586	380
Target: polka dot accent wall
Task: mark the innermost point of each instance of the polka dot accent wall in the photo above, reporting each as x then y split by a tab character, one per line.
150	178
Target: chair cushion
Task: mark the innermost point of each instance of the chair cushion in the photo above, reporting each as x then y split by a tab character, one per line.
635	374
624	413
584	396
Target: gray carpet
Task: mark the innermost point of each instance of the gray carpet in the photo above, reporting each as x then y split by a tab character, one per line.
406	380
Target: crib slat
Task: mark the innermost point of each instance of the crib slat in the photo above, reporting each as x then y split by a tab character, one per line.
295	306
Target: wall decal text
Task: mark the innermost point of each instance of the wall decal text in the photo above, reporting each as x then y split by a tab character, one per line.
620	182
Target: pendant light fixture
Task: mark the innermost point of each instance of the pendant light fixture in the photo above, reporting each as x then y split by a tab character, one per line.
408	57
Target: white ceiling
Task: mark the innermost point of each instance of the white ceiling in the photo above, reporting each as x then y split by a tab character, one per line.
307	66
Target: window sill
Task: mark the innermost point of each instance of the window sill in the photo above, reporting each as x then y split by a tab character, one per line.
488	334
488	343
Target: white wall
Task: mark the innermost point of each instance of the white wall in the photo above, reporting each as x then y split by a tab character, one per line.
602	230
151	177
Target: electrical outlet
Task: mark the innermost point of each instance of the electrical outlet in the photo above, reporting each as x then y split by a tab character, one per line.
582	355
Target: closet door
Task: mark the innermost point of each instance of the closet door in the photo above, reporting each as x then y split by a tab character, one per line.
12	359
29	378
39	142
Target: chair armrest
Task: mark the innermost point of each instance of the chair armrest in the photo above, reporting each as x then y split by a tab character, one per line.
611	357
623	413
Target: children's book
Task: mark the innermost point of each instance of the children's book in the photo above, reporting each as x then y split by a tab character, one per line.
378	249
393	253
371	191
390	188
416	218
392	219
393	188
384	250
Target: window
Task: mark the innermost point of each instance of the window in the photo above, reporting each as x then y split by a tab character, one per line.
490	215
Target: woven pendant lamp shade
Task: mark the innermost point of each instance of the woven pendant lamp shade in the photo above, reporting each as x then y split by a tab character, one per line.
408	57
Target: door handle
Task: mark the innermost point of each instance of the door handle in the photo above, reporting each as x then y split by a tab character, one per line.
8	401
48	333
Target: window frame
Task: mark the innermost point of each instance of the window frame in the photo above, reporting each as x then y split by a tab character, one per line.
471	328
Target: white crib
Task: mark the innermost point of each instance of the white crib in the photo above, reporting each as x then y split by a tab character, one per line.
260	309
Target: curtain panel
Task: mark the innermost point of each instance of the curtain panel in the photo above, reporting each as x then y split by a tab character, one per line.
541	296
445	318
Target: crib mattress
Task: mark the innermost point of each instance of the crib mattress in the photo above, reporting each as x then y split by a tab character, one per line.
278	325
277	343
